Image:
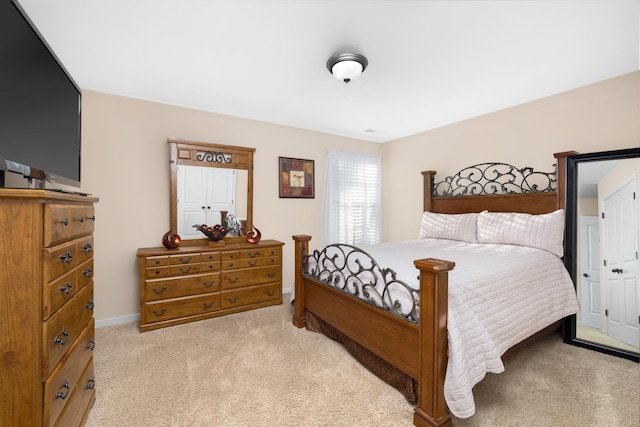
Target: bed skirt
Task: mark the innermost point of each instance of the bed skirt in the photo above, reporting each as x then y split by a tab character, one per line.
376	365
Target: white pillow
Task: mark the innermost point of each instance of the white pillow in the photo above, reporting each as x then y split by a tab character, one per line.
449	226
544	231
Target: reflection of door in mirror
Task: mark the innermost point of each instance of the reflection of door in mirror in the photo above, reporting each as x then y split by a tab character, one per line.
203	194
607	245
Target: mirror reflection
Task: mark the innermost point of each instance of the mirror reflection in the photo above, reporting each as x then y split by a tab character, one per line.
208	195
606	253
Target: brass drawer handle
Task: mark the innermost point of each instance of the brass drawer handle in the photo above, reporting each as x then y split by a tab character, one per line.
92	217
91	383
185	270
208	284
89	305
68	257
87	272
65	221
252	263
185	261
92	344
231	265
67	288
64	339
164	310
270	293
205	305
271	275
234	280
158	292
88	248
253	255
80	220
63	394
232	300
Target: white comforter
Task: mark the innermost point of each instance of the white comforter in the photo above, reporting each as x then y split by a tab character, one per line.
498	295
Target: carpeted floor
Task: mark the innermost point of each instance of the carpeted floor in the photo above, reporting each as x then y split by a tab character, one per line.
257	369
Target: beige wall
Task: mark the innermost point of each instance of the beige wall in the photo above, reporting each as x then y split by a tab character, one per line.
125	163
598	117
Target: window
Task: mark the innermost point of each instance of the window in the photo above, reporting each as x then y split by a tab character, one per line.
352	210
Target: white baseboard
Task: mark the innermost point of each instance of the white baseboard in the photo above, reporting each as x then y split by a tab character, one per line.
118	320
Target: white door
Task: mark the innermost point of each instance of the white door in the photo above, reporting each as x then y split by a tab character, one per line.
202	193
620	273
590	301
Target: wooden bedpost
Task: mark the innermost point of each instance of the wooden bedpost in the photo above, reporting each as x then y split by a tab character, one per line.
302	249
434	297
561	175
427	189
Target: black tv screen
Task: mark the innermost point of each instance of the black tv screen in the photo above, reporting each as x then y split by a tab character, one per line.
40	104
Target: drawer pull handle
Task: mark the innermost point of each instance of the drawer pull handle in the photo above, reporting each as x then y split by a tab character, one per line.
63	394
185	270
270	293
272	275
184	261
68	257
158	292
89	305
91	383
205	305
253	255
160	313
87	272
92	217
67	288
230	265
209	284
64	339
80	220
65	221
232	300
92	344
88	247
234	280
252	263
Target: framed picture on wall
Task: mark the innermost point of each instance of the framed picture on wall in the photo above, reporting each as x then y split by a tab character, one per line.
296	178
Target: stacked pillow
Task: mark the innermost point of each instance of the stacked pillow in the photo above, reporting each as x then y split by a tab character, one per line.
544	231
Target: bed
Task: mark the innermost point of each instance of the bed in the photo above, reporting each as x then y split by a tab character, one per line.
394	310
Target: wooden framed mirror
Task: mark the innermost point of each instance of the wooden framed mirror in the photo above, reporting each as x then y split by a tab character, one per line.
602	238
210	183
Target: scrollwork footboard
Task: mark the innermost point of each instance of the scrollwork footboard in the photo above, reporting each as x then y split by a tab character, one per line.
353	271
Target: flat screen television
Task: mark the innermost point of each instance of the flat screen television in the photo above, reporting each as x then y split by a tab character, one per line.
40	105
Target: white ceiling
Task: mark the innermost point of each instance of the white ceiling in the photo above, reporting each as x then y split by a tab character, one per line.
431	63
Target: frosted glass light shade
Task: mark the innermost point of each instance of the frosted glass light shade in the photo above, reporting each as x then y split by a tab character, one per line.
347	66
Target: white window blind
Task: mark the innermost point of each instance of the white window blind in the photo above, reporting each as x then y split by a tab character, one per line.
352	209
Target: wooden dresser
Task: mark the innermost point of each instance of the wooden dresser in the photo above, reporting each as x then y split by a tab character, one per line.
46	308
198	282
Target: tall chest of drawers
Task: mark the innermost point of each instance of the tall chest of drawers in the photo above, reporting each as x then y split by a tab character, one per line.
46	308
198	282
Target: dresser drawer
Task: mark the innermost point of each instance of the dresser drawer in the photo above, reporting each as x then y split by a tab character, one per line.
181	307
58	292
65	378
178	270
184	286
250	276
242	263
210	257
189	258
63	328
63	222
80	400
63	258
157	261
251	253
252	295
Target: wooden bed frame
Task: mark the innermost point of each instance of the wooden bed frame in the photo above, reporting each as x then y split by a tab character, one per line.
395	339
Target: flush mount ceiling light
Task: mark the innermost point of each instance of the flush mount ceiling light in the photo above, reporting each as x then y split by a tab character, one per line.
347	66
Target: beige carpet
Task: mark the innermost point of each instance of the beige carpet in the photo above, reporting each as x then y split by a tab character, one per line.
257	369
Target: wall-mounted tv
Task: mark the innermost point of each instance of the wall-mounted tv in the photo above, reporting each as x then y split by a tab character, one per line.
40	104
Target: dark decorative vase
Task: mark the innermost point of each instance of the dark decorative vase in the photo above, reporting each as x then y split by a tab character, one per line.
254	237
214	233
170	240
